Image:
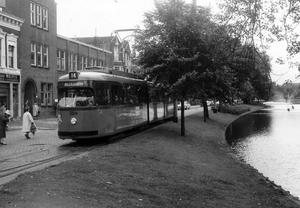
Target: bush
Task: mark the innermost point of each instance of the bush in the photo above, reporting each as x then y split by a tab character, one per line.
235	109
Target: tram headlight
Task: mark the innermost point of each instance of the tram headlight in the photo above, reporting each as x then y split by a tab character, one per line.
73	121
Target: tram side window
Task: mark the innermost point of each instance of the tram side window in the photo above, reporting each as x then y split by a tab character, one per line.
156	95
142	94
102	92
130	94
117	94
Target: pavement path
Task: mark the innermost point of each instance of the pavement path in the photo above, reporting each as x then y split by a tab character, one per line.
19	150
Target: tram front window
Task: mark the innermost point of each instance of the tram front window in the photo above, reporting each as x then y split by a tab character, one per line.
75	97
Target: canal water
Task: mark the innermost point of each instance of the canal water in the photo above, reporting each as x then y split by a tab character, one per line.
269	140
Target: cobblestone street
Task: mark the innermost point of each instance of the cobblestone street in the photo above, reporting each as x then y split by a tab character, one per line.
19	150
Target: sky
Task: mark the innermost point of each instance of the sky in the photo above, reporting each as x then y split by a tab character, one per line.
78	18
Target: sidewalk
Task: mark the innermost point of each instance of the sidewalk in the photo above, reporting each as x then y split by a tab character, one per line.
44	123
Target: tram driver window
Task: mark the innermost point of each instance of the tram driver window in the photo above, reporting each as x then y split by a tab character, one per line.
76	97
84	97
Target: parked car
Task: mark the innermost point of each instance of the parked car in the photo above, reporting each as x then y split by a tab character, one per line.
187	105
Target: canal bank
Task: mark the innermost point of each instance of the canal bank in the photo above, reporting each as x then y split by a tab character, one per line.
156	168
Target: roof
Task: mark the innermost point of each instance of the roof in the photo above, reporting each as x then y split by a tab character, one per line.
96	41
99	75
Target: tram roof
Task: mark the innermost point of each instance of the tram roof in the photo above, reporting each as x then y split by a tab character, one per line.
99	75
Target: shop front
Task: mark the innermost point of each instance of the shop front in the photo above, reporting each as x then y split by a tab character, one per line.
10	91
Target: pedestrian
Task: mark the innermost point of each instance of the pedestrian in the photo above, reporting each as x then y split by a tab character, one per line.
7	115
3	123
26	105
27	123
35	111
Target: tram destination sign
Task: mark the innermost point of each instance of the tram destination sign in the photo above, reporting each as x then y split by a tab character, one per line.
76	84
9	77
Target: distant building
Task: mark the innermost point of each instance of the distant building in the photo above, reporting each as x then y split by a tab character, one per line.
120	50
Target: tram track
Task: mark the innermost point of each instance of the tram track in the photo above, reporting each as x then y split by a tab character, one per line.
11	173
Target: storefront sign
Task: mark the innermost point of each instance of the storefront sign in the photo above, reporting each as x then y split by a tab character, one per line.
9	77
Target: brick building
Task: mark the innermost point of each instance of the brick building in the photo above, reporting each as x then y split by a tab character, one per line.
42	55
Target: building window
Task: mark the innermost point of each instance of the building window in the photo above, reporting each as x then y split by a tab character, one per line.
91	61
85	64
39	16
75	62
45	18
116	53
10	56
63	60
58	59
81	63
32	13
33	54
71	57
46	94
39	55
46	57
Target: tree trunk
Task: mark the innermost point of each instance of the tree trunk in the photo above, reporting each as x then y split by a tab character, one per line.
182	119
205	110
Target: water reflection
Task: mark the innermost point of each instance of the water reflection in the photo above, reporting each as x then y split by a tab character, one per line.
269	141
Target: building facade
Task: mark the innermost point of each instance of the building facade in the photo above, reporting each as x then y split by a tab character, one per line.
42	56
10	73
120	50
37	51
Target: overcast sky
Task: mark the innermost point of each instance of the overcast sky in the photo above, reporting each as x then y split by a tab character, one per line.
78	18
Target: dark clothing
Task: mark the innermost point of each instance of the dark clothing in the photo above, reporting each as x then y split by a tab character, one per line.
3	122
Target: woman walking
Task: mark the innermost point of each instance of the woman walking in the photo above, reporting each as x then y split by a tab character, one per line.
27	122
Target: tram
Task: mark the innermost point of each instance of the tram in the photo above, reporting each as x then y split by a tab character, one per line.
98	102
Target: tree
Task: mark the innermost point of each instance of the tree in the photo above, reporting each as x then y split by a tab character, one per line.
171	47
261	23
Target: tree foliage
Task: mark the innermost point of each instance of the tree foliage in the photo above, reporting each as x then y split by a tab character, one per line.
262	22
191	56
